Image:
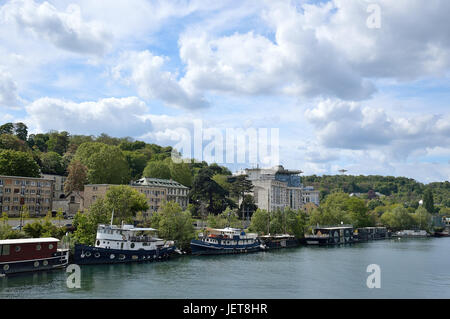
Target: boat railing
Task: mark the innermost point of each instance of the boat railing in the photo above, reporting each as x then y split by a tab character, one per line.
333	226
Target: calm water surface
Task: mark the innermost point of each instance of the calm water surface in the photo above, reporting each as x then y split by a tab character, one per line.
410	268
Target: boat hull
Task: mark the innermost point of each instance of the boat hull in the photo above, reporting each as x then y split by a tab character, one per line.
199	247
58	261
88	255
288	243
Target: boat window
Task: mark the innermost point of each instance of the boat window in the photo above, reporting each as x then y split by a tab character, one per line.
17	249
50	246
132	245
5	250
38	247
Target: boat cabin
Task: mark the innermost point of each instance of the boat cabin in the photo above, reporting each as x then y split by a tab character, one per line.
127	237
332	235
27	249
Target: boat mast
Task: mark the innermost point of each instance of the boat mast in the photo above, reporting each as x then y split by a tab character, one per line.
112	217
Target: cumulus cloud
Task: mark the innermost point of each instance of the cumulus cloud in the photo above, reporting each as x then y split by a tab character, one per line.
349	125
321	49
66	30
147	72
252	64
8	90
119	117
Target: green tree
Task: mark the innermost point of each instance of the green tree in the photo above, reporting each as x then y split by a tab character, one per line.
181	173
125	201
11	142
260	222
422	219
21	130
137	162
206	190
174	224
157	169
58	142
15	163
51	163
398	219
43	228
240	186
7	128
428	201
106	164
86	223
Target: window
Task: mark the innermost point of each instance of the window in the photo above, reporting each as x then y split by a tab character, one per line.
17	249
4	250
38	247
50	246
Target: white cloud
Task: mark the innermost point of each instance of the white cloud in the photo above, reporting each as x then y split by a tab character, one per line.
66	30
8	91
119	117
147	72
348	125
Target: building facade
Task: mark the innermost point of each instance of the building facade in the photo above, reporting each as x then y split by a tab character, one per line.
33	194
278	188
58	182
155	190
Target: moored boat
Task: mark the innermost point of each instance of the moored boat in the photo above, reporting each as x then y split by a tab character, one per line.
124	244
225	241
31	254
279	241
411	234
330	235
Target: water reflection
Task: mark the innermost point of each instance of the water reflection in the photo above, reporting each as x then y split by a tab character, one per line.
412	268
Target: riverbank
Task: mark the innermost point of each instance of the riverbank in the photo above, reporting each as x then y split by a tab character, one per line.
410	268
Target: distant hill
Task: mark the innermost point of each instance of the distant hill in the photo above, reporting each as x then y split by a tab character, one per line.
398	189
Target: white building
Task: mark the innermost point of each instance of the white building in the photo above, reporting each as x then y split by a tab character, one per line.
279	188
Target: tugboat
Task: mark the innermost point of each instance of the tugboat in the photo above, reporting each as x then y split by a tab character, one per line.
124	244
225	241
279	241
31	254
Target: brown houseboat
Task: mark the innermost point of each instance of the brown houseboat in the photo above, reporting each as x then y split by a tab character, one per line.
31	254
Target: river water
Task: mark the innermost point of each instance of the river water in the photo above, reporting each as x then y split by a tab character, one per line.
410	268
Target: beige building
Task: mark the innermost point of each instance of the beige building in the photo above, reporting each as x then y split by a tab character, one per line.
58	182
155	190
35	194
278	188
69	205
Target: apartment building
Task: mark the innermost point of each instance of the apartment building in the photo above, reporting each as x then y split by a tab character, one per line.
278	188
33	193
58	182
155	190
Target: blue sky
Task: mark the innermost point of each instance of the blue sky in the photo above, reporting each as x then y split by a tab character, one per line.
343	95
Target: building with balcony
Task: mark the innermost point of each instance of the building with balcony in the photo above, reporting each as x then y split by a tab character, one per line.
278	188
26	193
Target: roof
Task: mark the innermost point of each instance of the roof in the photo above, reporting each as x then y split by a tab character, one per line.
28	241
25	177
146	181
